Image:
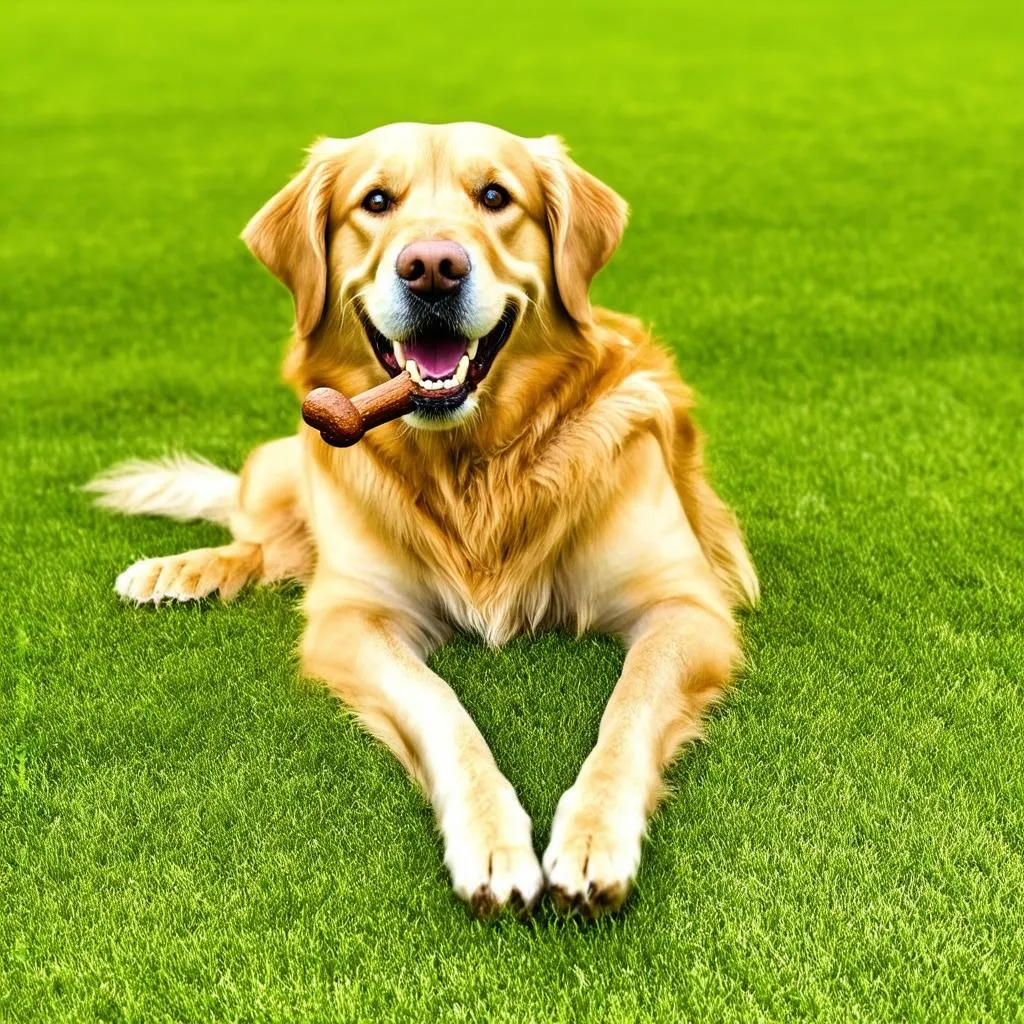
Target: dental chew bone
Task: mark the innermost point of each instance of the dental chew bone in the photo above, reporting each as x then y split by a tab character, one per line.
343	421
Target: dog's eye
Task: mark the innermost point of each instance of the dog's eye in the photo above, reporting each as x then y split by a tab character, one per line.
494	197
377	201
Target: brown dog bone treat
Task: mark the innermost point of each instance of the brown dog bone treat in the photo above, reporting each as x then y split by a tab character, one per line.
343	421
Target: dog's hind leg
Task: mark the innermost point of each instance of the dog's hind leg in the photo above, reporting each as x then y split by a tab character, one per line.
263	508
192	574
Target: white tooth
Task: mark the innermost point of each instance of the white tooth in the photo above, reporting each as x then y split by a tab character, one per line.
472	347
414	371
450	382
461	370
399	353
437	385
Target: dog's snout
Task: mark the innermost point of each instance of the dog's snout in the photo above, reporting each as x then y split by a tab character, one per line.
432	269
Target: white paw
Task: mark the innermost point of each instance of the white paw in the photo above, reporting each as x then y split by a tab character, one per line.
489	854
139	582
594	853
191	575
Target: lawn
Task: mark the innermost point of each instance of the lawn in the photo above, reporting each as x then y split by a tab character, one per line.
827	228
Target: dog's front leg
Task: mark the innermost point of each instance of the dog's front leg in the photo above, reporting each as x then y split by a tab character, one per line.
681	654
368	662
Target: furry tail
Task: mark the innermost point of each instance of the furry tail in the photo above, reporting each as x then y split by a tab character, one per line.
177	486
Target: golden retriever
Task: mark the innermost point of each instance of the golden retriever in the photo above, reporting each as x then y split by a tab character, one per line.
560	485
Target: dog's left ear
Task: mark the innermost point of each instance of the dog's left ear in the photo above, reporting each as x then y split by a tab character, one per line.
289	233
586	220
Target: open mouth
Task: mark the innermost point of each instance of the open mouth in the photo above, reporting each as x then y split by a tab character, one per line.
446	365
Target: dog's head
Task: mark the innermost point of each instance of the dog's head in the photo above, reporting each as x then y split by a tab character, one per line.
441	249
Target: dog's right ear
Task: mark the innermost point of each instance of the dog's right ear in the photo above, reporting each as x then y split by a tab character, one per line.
289	234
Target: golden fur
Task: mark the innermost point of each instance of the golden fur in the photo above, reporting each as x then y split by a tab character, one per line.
573	495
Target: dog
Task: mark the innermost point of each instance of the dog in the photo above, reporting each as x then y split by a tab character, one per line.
560	485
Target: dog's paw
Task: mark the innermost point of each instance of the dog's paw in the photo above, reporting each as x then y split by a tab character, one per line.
190	576
594	853
490	856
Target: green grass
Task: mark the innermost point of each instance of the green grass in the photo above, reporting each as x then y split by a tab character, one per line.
827	228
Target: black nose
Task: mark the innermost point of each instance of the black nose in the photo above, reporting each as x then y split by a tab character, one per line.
433	268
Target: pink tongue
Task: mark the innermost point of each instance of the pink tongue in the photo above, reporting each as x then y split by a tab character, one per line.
436	356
